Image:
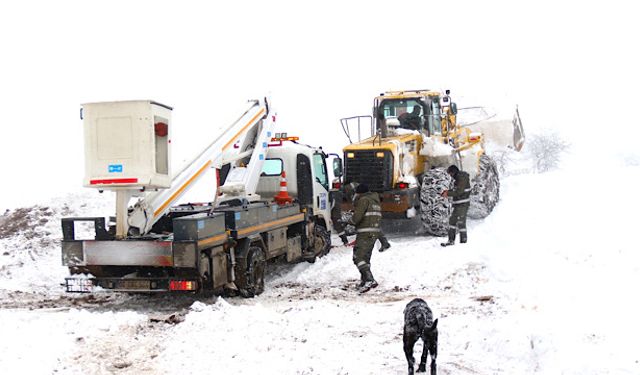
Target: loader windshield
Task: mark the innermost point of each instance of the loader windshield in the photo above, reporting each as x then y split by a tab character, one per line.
434	120
402	113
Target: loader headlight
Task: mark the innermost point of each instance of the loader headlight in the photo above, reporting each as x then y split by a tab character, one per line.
379	154
351	155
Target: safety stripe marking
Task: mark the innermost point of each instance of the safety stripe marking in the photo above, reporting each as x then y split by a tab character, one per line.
461	201
177	192
232	140
363	230
114	181
286	220
213	239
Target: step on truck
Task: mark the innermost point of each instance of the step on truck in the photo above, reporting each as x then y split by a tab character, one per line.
271	201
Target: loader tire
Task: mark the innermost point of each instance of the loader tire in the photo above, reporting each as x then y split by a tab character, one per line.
486	189
252	268
435	209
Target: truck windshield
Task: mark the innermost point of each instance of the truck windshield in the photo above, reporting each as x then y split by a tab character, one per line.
403	113
320	170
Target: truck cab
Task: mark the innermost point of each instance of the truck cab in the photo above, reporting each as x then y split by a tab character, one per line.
306	174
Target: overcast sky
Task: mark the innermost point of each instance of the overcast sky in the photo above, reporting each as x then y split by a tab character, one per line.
569	65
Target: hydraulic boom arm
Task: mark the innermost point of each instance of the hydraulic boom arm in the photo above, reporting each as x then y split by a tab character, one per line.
247	136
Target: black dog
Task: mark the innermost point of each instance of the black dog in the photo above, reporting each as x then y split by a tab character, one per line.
419	323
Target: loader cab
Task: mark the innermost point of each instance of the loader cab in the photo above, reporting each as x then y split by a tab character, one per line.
401	114
393	112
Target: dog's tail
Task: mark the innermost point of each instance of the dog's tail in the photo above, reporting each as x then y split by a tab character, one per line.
432	327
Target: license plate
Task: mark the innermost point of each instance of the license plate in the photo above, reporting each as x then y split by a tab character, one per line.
136	284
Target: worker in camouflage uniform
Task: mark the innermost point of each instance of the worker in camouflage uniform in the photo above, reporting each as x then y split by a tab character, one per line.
350	191
366	218
460	196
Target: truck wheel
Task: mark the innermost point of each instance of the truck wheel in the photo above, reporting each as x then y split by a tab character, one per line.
254	268
322	240
486	189
434	209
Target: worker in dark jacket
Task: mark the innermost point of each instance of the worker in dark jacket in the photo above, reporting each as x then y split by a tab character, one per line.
366	218
350	191
460	195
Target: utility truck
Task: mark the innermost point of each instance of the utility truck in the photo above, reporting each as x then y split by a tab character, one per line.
271	201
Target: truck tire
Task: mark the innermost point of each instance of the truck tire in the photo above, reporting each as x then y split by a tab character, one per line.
322	240
486	189
252	267
435	209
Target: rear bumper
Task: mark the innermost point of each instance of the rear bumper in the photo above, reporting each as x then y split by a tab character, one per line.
83	253
130	285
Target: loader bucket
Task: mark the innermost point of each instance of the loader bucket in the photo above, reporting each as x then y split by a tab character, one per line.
501	132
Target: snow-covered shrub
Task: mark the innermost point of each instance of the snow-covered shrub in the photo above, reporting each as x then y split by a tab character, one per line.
546	149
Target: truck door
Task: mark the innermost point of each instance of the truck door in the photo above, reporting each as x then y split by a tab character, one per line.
305	183
322	206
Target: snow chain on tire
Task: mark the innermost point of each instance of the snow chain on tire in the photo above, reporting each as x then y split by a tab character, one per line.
434	209
486	189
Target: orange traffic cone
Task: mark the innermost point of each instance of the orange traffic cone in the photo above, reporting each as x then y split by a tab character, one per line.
283	196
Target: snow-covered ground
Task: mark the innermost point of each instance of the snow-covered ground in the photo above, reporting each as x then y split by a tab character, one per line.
546	285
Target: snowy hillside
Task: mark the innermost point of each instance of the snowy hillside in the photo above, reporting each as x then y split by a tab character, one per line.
546	285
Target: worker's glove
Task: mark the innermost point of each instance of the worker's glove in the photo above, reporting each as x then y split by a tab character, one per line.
445	193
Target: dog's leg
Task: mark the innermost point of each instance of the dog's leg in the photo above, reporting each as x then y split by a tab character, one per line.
434	354
409	341
423	359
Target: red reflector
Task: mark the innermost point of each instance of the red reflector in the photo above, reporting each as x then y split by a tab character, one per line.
182	285
114	181
336	185
403	185
161	129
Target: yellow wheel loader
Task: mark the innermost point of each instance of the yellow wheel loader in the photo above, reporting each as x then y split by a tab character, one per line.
404	148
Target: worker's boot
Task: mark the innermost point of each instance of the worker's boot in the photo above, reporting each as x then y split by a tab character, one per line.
362	280
385	244
345	240
463	236
452	238
369	283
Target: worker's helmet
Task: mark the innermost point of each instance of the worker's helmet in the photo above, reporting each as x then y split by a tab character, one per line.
452	170
362	188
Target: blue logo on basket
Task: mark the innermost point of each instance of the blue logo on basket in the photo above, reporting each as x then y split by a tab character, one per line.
115	168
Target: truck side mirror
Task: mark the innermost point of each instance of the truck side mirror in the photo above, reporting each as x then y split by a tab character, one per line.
454	108
337	167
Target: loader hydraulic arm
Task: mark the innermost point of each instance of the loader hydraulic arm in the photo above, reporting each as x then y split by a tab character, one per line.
244	138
